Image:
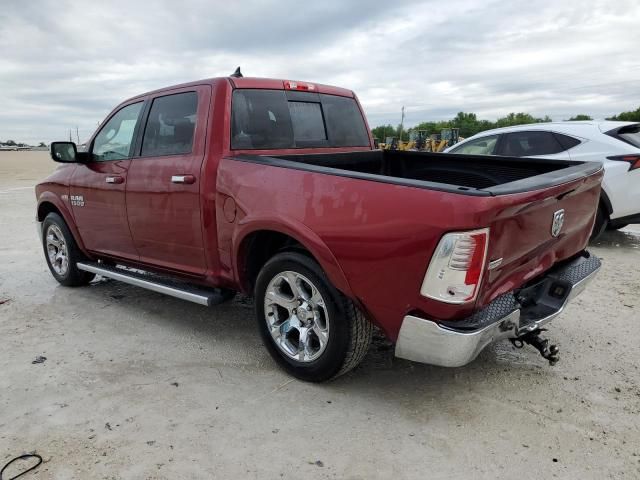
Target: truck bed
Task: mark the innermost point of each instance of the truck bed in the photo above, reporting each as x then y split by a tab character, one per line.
466	174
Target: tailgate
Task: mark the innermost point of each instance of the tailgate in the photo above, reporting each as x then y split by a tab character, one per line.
531	231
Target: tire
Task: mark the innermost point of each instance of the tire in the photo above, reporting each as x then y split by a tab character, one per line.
600	225
337	333
62	253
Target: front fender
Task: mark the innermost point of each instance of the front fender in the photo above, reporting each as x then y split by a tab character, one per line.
63	208
300	233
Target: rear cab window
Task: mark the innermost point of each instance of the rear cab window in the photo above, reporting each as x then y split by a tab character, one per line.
278	119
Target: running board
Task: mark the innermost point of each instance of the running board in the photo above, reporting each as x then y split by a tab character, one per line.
157	283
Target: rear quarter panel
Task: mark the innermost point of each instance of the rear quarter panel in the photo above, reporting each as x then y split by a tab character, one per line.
380	236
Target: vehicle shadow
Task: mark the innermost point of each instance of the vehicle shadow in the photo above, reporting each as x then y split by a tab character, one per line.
625	238
231	326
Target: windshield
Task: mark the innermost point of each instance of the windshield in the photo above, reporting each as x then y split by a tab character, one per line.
278	119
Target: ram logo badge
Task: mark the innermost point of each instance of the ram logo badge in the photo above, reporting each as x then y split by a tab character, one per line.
558	221
77	200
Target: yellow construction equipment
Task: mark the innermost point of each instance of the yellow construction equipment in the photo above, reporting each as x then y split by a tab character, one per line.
420	140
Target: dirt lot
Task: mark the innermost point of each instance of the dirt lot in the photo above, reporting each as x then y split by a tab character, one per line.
137	385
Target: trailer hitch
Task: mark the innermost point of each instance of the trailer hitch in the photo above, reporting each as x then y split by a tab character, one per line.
535	339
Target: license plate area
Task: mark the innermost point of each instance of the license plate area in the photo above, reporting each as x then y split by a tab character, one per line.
542	299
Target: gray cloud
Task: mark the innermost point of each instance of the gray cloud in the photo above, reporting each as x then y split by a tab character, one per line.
67	63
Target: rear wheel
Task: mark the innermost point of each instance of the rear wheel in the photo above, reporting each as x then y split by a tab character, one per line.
312	331
600	224
62	252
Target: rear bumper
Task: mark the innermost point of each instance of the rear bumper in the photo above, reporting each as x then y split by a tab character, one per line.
453	344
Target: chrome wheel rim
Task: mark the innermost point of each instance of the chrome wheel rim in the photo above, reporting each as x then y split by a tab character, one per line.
57	250
296	316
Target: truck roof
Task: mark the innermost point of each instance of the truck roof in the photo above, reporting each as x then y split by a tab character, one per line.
257	83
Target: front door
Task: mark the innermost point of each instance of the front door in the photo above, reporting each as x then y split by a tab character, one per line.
97	192
163	186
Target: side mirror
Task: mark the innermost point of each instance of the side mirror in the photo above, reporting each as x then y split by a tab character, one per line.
64	152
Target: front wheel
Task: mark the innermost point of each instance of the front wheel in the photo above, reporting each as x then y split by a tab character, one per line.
312	331
62	252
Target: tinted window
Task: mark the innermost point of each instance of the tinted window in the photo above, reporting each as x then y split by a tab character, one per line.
261	119
344	122
566	141
114	140
170	126
523	144
479	146
267	119
630	134
307	122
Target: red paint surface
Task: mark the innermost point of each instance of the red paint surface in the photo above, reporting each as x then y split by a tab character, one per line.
373	240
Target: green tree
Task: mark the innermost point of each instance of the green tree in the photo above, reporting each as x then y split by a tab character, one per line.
633	116
580	116
42	144
11	143
520	118
384	131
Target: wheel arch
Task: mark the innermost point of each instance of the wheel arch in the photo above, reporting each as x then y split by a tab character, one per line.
49	203
258	241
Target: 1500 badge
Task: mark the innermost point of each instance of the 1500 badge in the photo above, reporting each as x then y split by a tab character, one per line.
77	200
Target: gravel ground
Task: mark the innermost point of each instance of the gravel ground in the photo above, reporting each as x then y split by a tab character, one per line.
137	385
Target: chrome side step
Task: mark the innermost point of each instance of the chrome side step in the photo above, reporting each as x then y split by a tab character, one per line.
156	283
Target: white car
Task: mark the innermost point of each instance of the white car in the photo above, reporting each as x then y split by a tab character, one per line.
615	144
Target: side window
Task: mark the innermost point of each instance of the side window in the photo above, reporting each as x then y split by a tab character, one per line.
523	144
114	140
479	146
566	141
171	125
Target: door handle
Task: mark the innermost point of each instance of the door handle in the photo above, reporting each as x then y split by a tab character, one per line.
185	179
114	180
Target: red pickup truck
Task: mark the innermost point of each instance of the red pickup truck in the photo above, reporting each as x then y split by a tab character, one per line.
273	188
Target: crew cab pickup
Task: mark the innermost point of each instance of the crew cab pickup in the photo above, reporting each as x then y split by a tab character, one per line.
273	188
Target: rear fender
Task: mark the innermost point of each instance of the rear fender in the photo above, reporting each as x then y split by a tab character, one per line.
300	233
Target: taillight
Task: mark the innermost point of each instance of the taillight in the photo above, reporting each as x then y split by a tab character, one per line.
633	160
456	268
289	85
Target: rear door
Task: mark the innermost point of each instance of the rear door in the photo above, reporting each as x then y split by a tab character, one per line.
97	187
532	143
163	189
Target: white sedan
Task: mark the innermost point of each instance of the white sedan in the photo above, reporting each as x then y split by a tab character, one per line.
615	144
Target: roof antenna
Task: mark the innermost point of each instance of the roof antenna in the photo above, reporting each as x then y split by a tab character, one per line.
237	73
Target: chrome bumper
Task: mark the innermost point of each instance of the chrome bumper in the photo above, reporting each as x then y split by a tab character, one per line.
453	344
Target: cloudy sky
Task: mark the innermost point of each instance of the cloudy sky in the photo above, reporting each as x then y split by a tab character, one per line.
67	63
